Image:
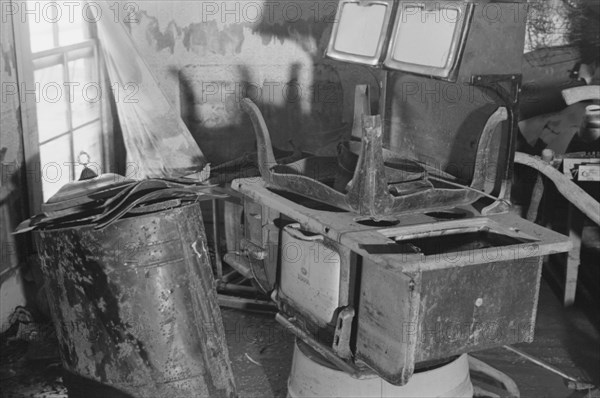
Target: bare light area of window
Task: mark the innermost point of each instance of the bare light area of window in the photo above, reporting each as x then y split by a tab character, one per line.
86	102
51	103
41	34
55	169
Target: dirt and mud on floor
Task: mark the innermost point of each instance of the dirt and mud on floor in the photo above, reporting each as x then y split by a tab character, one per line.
261	353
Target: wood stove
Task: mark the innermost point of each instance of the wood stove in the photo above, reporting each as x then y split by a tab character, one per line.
402	251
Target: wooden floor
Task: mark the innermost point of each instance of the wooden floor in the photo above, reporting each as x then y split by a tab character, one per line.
564	338
261	354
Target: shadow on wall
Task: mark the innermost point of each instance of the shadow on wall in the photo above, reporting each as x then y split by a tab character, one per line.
307	114
20	276
212	113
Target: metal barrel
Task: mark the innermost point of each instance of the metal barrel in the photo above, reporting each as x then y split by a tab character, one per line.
134	305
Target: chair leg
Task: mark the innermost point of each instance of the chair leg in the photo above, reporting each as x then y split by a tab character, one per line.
575	223
538	188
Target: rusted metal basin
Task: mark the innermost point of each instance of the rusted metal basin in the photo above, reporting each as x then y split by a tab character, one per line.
134	305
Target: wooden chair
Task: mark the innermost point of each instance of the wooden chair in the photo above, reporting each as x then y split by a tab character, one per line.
580	202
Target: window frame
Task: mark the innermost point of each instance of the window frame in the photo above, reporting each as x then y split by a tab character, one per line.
25	67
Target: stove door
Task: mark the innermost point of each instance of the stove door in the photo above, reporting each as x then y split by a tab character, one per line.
310	274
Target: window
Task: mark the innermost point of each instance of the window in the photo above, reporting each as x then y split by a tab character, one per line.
61	70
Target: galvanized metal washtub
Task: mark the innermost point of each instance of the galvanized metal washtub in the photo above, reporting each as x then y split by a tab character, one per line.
312	376
134	305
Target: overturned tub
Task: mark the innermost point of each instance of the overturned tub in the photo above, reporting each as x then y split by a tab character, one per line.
135	308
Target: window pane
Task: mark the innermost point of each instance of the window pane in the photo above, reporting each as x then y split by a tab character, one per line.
55	157
86	93
424	37
72	28
52	102
41	35
360	28
89	139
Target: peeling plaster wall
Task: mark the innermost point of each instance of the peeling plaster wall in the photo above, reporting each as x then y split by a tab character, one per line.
206	55
12	191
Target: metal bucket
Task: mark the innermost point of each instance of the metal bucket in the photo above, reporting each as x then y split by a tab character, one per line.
311	376
134	305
